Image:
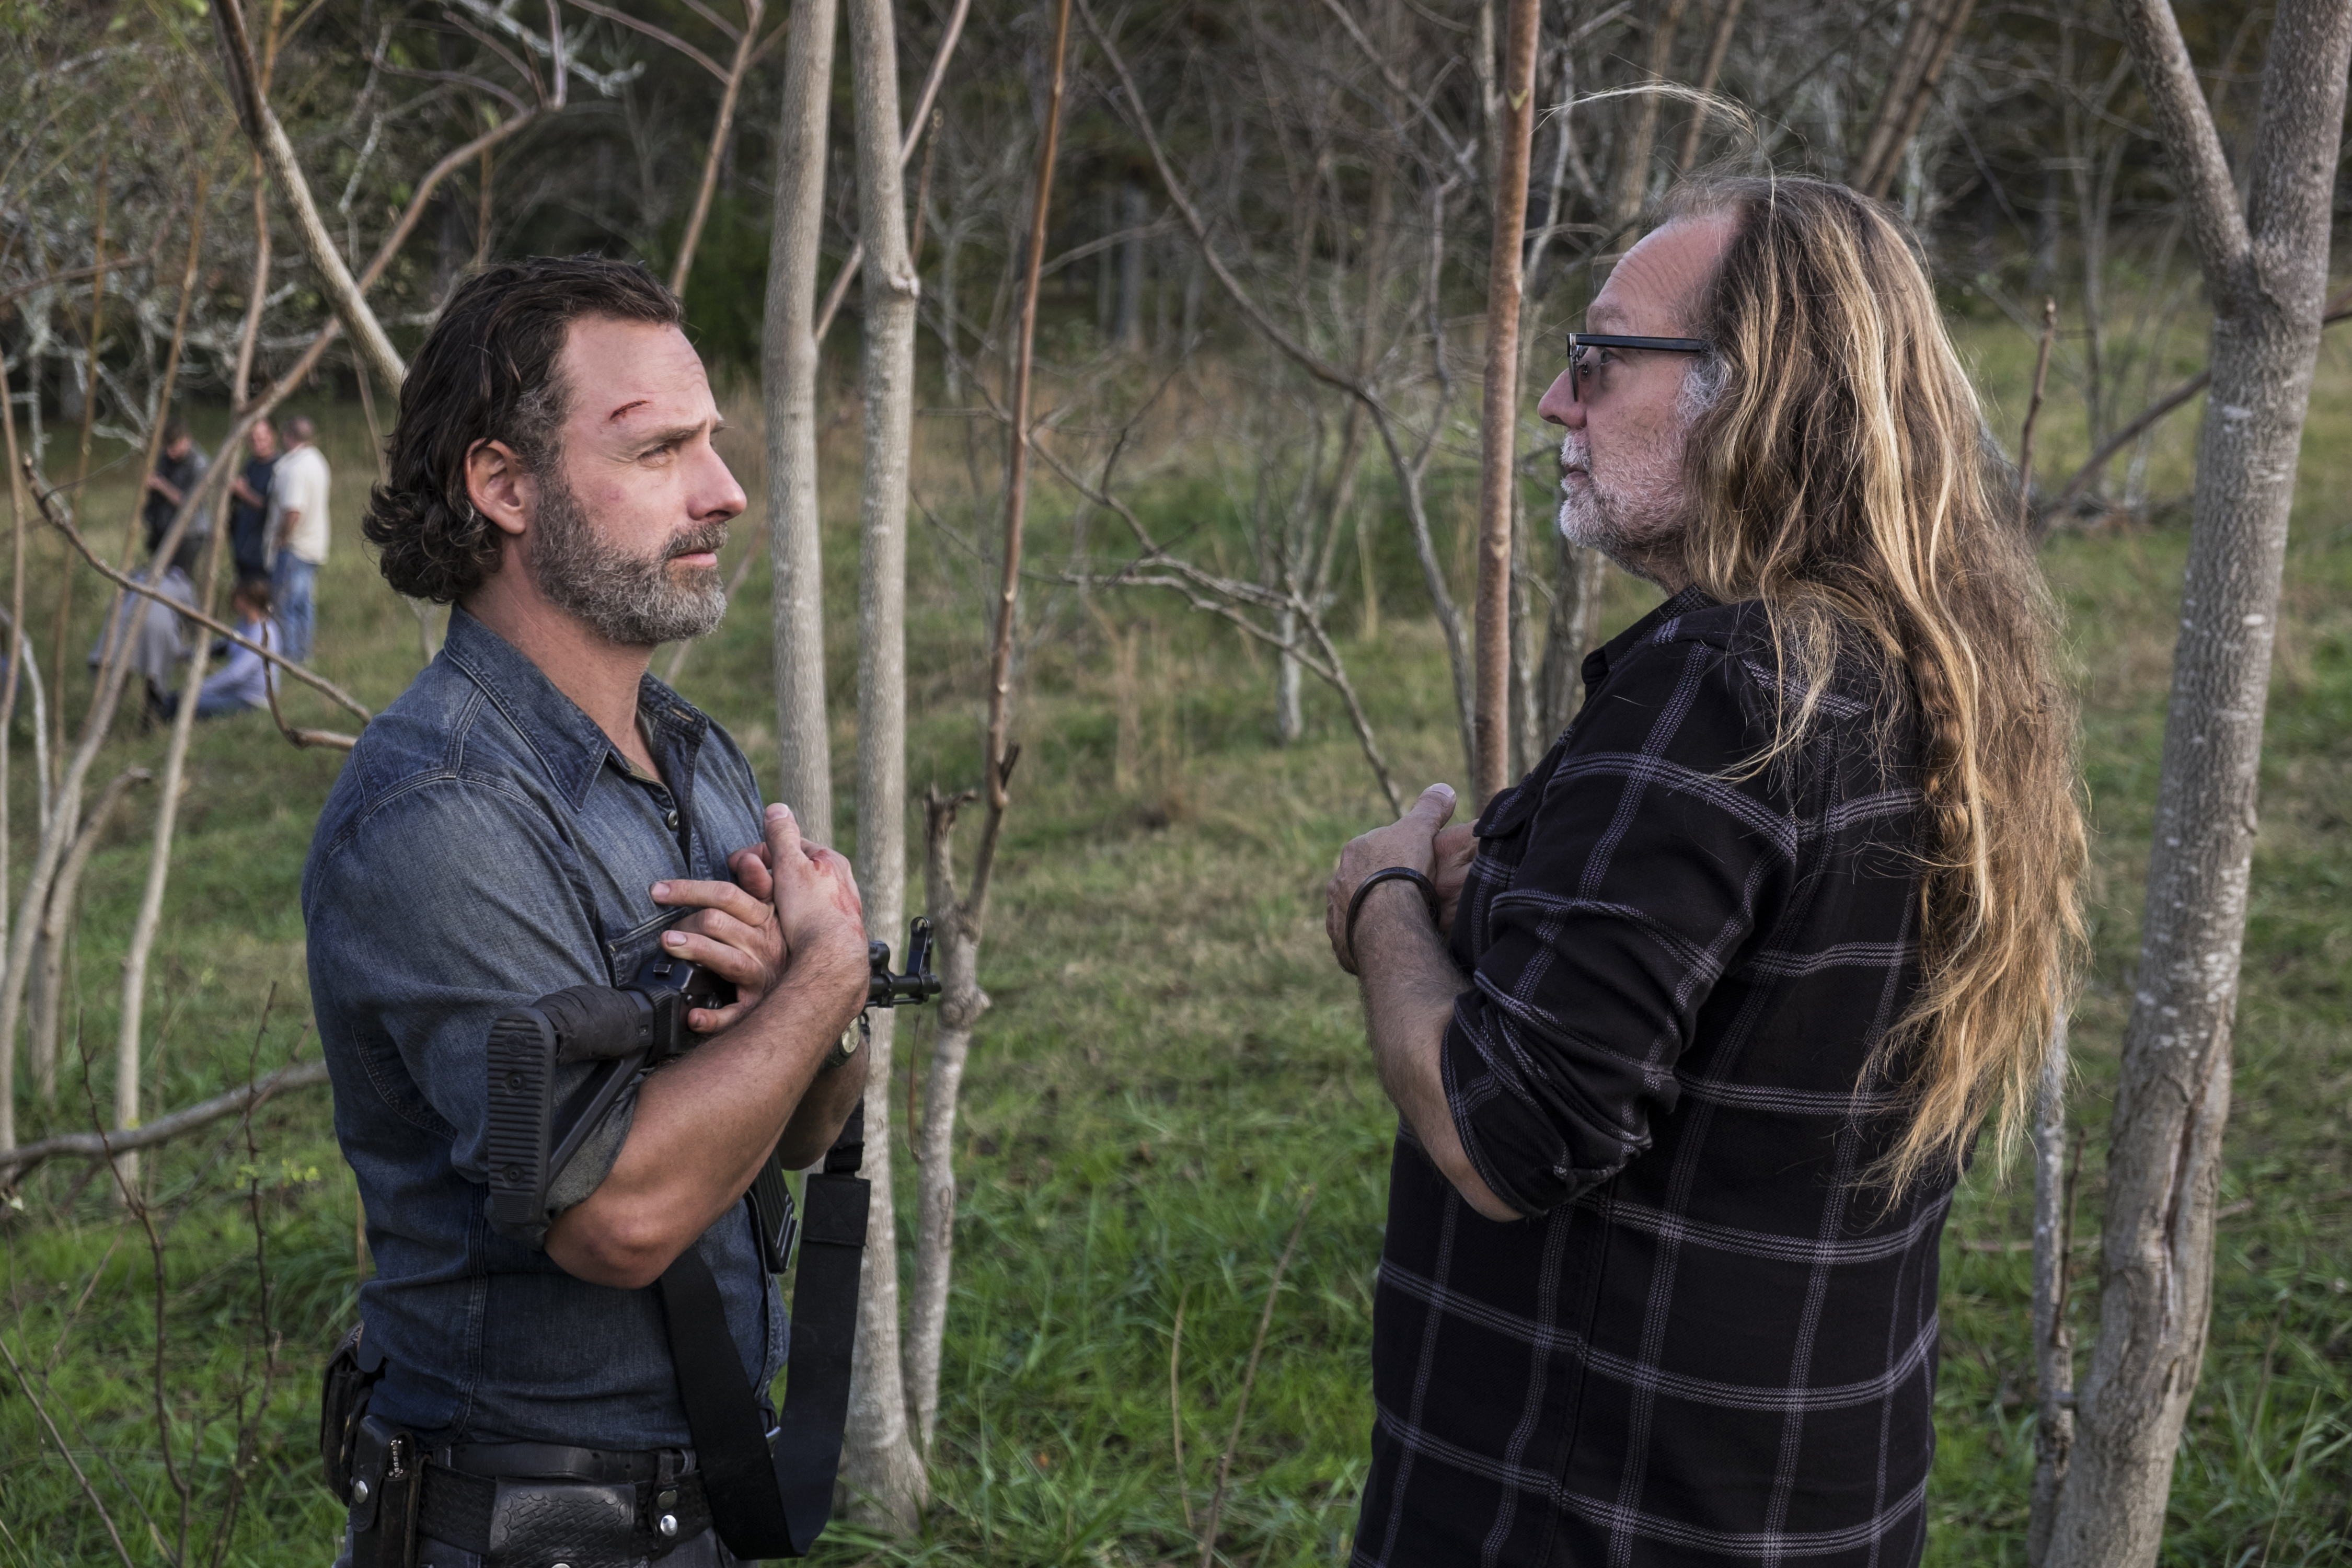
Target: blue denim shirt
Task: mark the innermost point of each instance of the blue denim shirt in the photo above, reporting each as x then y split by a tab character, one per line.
485	845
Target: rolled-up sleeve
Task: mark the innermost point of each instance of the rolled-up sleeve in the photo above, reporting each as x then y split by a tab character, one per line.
471	858
1612	901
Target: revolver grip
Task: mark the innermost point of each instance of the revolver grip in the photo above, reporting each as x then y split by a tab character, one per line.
522	1046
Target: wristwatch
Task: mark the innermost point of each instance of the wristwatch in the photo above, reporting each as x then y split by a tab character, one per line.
852	1038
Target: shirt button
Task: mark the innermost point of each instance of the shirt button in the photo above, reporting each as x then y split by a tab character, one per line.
670	819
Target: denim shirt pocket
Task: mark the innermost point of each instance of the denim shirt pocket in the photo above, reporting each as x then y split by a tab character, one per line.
626	952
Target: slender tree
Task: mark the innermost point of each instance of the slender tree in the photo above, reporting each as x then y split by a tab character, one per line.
2265	263
788	365
958	921
1499	481
878	1460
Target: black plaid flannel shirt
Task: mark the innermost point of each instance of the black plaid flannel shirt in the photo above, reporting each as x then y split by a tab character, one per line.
1711	1344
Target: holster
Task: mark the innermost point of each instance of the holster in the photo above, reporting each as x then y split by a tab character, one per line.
387	1484
351	1374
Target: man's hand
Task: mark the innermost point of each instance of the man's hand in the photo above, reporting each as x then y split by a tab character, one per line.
738	930
815	898
704	1124
1455	848
1411	840
733	932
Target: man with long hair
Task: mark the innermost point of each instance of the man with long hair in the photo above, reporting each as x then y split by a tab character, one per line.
1692	1033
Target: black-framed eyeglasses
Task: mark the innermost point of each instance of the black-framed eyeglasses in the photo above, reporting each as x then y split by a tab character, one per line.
1580	342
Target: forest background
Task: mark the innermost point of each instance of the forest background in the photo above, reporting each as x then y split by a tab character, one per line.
1242	609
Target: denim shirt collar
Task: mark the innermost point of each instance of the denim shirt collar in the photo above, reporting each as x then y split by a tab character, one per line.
569	744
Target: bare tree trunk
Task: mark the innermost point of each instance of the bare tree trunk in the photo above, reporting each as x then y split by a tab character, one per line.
958	921
1288	722
159	858
57	931
2054	1335
1642	137
20	648
722	129
788	361
1499	426
1718	44
2265	266
880	1462
1919	60
1577	584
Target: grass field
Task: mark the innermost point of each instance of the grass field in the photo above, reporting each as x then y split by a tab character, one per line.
1171	1064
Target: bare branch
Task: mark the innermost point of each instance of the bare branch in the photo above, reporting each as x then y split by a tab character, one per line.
58	1438
123	580
269	139
659	34
15	1164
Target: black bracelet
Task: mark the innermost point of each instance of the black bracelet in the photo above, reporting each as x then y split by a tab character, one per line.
1388	874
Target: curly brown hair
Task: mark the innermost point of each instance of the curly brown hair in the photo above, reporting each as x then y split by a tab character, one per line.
488	372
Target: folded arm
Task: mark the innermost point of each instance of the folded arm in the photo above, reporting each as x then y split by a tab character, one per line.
704	1124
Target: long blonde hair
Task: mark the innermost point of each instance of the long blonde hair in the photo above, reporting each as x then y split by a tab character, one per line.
1845	479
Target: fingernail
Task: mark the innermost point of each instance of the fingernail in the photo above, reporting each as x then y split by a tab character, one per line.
673	939
661	890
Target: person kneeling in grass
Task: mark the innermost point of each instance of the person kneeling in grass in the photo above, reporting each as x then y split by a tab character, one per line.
244	681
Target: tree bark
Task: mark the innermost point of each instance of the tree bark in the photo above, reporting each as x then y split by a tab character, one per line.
57	928
722	129
2054	1335
958	921
1919	60
1642	136
788	361
880	1462
1577	585
1499	420
1718	44
128	1056
2266	267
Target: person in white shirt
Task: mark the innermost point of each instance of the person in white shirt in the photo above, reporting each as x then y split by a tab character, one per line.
244	681
297	534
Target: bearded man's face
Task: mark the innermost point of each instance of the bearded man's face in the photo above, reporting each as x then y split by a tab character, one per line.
633	499
1626	410
635	598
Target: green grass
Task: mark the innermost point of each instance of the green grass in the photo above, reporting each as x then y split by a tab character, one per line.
1170	1064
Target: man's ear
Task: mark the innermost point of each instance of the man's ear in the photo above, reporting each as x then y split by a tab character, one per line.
501	485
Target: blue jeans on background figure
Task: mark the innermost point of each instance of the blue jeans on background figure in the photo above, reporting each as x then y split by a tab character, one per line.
291	582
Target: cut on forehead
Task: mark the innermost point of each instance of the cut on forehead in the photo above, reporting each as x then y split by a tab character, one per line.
627	369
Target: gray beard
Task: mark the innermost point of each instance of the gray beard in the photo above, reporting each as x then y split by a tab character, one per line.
633	600
1633	523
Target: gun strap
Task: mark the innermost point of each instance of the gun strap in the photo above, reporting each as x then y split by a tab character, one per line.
774	1501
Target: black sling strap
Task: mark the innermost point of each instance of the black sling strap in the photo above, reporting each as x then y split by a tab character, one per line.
773	1501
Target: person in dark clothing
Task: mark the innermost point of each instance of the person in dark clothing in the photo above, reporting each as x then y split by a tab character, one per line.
179	465
248	513
1692	1033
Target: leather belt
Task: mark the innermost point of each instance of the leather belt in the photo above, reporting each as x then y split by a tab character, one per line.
549	1461
463	1510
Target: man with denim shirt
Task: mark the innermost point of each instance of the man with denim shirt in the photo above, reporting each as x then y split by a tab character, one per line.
536	811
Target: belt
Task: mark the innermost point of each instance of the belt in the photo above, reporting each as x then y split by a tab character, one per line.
597	1507
553	1461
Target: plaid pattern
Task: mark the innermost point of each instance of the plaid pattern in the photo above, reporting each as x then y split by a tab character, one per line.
1710	1345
